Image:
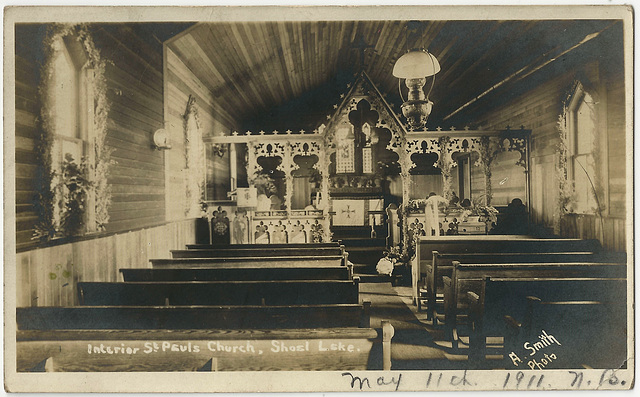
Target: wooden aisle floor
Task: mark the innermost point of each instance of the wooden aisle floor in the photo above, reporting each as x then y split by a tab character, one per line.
413	346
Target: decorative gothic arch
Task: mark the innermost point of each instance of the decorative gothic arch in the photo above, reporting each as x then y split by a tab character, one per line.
363	98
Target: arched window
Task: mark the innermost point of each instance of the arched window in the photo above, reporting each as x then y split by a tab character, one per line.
70	107
583	139
64	100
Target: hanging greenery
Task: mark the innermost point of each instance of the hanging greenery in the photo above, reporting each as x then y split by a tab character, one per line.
566	188
488	151
50	218
102	188
73	189
45	228
193	153
445	164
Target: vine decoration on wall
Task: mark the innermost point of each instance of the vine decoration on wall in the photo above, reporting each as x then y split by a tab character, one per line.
489	150
53	200
194	161
566	188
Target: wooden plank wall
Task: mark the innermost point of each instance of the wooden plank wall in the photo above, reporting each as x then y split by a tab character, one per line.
134	79
136	96
48	276
538	110
180	82
26	111
616	147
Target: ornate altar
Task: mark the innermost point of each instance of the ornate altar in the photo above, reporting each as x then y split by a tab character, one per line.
340	192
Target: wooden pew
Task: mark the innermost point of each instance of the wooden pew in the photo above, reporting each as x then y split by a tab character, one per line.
441	265
333	244
334	349
498	297
470	277
253	252
194	317
213	293
490	244
600	340
240	262
239	274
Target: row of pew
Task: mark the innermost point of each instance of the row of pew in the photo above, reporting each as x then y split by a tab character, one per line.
249	307
499	296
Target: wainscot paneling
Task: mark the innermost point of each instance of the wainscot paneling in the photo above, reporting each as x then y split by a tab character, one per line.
48	276
591	226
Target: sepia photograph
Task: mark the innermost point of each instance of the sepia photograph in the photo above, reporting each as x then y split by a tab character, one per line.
318	199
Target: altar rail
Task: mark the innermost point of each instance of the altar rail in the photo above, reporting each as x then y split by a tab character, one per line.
48	276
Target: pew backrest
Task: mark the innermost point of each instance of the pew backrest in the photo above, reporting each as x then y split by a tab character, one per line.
333	244
511	298
509	244
441	264
252	262
212	293
471	277
508	296
193	317
254	252
238	274
491	244
195	350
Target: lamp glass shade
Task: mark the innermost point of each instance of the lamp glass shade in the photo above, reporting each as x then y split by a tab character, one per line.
416	64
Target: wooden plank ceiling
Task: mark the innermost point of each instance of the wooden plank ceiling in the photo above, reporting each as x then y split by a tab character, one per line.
288	75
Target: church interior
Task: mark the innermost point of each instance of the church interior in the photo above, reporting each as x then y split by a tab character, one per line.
321	195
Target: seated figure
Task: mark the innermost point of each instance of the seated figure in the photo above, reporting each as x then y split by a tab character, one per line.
514	220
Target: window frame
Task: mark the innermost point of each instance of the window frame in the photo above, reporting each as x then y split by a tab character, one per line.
84	136
575	159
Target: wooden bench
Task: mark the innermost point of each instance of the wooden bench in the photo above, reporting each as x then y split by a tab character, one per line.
470	277
440	265
235	261
498	297
334	349
213	293
194	317
252	252
239	274
490	244
594	333
333	244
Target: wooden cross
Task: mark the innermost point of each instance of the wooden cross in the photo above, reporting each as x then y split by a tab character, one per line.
349	211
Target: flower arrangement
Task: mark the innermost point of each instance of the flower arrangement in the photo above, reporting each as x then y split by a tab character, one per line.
264	184
489	213
385	267
486	212
416	205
